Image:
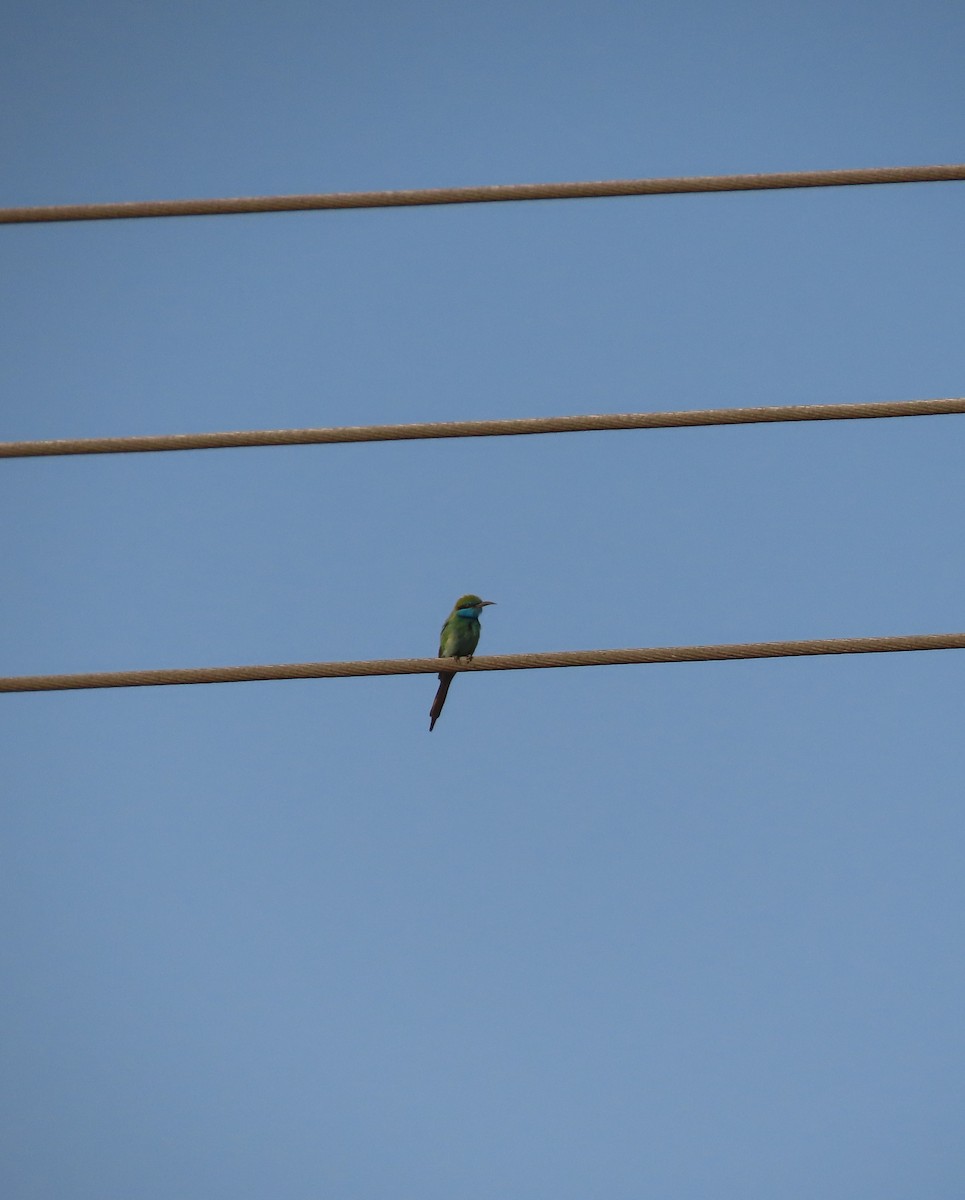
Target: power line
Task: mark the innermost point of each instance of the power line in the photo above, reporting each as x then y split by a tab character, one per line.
766	414
480	195
501	662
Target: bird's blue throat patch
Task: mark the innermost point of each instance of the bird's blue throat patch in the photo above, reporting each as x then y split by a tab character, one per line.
467	613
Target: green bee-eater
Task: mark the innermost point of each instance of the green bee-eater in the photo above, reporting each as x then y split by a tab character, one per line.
459	639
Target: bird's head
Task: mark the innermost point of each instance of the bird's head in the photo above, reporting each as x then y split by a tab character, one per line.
471	602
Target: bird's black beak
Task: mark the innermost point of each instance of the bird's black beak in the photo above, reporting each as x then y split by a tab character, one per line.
483	603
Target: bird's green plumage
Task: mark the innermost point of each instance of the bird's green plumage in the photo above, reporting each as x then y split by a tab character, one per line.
460	635
458	639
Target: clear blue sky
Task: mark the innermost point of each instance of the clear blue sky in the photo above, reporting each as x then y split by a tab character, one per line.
679	931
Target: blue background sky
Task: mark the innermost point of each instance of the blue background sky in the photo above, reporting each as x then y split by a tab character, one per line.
679	931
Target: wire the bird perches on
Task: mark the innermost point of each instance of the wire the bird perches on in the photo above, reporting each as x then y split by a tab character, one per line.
500	662
594	189
513	427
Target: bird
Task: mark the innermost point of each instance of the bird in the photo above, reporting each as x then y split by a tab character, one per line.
458	639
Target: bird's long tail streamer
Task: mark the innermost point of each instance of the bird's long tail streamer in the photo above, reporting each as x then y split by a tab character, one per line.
445	679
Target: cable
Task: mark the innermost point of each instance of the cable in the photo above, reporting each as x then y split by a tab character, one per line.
501	662
480	195
766	414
